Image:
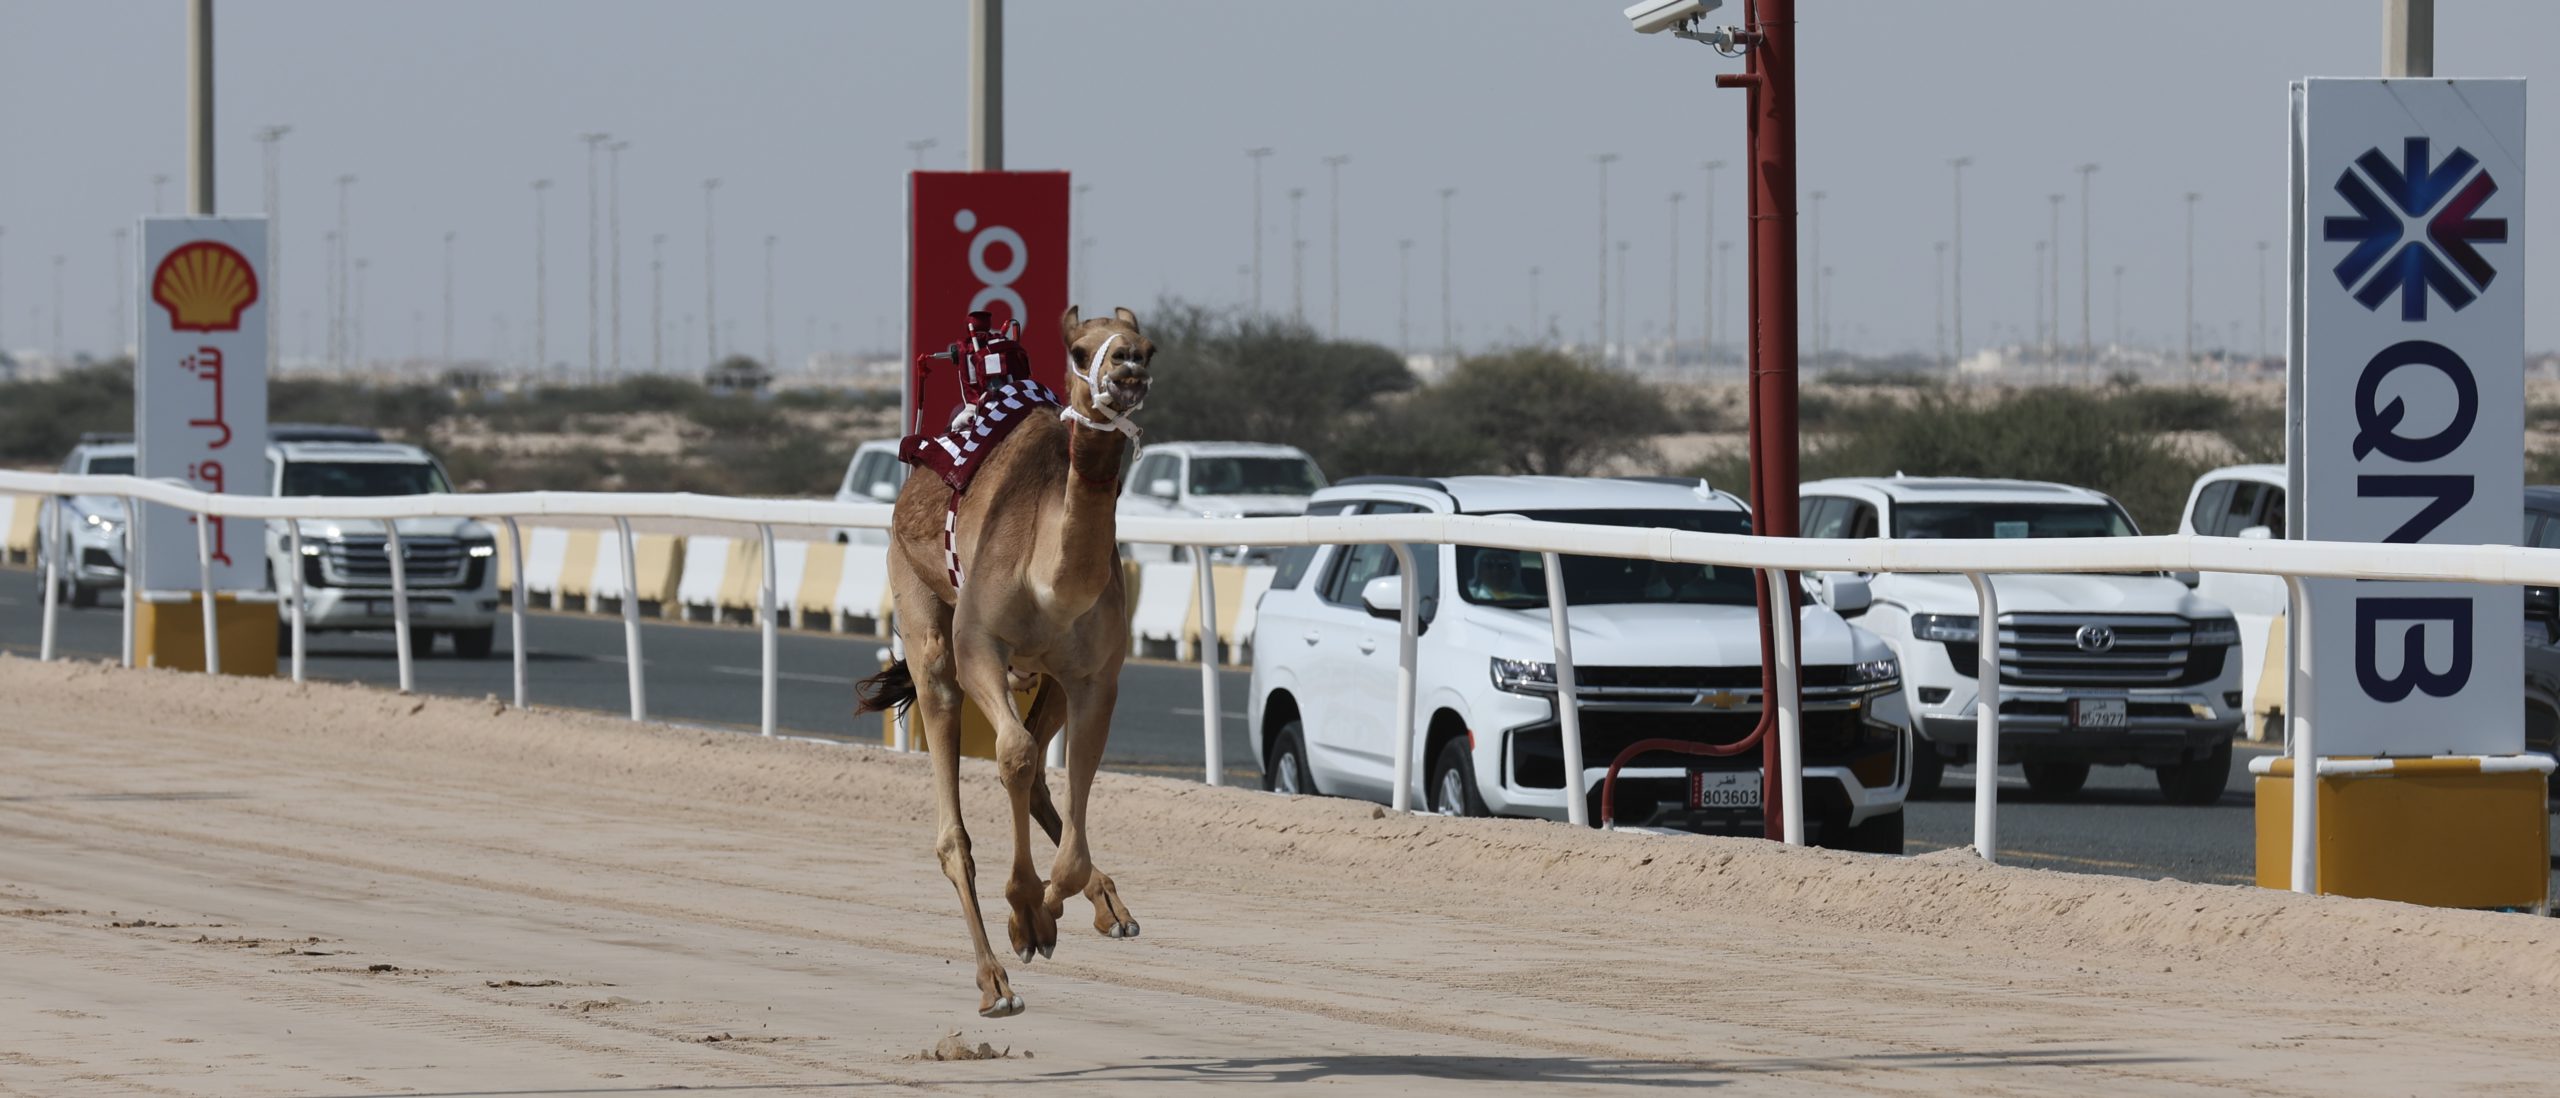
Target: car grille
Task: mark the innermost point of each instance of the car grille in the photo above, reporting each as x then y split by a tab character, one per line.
1698	678
363	561
2148	651
1831	737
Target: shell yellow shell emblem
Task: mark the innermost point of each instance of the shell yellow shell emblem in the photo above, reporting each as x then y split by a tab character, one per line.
205	285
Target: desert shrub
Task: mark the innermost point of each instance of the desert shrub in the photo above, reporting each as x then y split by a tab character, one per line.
40	421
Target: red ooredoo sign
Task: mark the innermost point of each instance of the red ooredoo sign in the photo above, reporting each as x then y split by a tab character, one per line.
983	240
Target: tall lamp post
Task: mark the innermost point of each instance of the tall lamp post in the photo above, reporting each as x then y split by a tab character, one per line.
1257	156
613	234
1707	303
1956	263
2188	330
595	233
541	281
657	303
710	275
448	299
1448	320
1602	318
1671	356
1297	260
2088	353
272	140
1333	260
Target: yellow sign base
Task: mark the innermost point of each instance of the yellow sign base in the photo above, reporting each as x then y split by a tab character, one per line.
977	734
170	635
2437	831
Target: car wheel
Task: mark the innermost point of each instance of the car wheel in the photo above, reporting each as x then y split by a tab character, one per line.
1284	763
1879	835
2197	781
83	596
1928	769
422	643
2056	779
1453	781
474	644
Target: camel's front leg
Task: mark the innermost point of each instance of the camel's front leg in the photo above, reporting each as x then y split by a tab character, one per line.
1089	706
1034	931
1110	917
926	633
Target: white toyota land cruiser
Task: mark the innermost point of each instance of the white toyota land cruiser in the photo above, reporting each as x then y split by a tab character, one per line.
450	563
1661	651
2094	669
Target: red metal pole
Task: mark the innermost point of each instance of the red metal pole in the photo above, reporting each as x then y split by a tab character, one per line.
1770	80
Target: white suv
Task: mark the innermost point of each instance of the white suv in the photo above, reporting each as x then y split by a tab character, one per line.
2094	669
1662	651
1218	480
84	535
449	563
871	479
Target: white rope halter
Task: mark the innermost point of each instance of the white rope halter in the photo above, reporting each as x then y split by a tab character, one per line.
1092	377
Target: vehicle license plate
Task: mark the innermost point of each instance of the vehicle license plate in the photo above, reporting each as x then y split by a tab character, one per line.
2097	712
380	608
1724	789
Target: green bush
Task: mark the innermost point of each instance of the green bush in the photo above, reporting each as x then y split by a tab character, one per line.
40	421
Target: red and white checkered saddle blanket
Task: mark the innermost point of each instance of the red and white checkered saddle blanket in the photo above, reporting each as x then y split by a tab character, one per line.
956	455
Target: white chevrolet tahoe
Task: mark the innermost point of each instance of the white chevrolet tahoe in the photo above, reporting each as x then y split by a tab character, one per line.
1661	651
2094	669
450	563
1218	480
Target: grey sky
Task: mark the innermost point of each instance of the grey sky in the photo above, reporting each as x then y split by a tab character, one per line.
447	111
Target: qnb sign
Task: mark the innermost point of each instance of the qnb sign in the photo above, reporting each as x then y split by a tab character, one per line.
993	241
2407	383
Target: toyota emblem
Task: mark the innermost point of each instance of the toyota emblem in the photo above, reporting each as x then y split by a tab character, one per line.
2096	638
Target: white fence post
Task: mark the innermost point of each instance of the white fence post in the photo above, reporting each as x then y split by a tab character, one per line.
765	615
515	605
52	572
204	580
1790	706
399	603
293	560
633	671
2306	760
1212	744
132	582
1406	622
1577	803
1986	721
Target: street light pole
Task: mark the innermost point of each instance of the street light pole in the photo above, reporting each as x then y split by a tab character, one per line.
613	233
1257	155
1537	322
986	85
2053	335
1813	273
1626	350
1604	160
1333	261
1671	354
1404	297
1938	351
1707	352
541	284
346	245
658	303
448	298
2189	330
1956	244
1297	260
272	137
2037	280
60	357
2088	355
1448	321
772	353
329	351
595	348
2115	323
2262	301
710	275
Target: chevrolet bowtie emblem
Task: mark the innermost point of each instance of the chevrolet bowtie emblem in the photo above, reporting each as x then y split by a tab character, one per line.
1719	699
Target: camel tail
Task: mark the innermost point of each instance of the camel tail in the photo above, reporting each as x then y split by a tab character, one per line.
893	687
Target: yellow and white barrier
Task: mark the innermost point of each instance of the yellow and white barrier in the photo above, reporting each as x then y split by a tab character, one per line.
1257	579
18	527
1164	617
2447	831
814	597
578	570
741	578
862	595
706	569
790	563
546	553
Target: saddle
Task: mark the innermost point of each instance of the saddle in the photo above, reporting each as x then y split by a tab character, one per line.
996	392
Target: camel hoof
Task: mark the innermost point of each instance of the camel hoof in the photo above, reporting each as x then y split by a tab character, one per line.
1049	948
1005	1007
1123	930
1026	953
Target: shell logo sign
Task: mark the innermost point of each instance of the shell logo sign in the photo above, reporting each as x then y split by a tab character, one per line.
205	285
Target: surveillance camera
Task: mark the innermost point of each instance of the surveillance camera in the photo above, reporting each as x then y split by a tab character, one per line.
1656	16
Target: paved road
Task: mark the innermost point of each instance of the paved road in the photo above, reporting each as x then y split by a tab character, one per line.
707	674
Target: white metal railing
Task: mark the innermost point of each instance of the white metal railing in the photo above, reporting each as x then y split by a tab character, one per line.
1774	557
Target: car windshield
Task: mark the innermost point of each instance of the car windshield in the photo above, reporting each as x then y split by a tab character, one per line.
111	466
362	478
1254	476
1517	579
2010	520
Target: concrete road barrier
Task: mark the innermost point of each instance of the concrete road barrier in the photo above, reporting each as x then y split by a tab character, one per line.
741	577
546	552
1164	612
706	568
18	527
813	598
862	595
790	565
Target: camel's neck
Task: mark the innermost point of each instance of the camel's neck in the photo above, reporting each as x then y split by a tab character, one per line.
1087	550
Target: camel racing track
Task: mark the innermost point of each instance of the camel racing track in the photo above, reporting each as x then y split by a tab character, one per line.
251	887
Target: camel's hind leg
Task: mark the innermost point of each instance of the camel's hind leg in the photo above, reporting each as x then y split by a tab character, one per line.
983	676
1111	918
924	627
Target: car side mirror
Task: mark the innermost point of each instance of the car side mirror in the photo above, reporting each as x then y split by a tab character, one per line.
1163	488
1846	593
1384	596
884	491
2257	533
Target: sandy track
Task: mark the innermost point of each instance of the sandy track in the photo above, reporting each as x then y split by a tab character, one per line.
201	883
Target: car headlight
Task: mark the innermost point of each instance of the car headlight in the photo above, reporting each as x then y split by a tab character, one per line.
482	548
1524	676
1947	628
101	523
310	548
2222	631
1875	674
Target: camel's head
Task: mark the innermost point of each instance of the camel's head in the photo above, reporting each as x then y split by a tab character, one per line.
1107	363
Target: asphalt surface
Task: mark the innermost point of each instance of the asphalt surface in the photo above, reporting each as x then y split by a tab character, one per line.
707	674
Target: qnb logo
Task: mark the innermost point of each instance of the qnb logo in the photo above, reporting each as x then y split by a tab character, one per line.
2434	209
994	284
